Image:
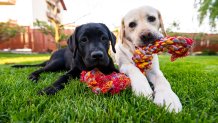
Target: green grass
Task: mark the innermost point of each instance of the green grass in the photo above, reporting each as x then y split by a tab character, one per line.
194	79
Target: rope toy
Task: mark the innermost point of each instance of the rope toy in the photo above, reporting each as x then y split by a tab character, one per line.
115	82
100	83
176	46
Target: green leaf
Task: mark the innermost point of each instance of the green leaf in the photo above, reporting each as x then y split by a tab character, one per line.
208	8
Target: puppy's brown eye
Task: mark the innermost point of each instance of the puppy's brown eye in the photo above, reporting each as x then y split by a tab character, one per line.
104	38
84	39
151	18
132	24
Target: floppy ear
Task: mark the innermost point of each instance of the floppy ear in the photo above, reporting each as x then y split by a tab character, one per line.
122	32
72	42
113	41
112	38
161	24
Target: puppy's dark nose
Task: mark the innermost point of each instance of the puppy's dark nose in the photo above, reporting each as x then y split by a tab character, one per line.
146	36
97	54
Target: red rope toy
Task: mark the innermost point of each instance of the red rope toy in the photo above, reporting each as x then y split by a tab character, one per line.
115	82
176	46
100	83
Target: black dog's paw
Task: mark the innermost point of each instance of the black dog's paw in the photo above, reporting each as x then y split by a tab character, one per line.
48	91
33	77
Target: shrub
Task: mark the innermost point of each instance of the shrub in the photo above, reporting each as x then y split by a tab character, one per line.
9	30
208	52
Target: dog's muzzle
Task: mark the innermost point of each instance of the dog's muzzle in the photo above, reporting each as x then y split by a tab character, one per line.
97	58
149	37
97	55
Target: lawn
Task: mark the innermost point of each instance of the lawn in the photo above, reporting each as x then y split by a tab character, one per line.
194	79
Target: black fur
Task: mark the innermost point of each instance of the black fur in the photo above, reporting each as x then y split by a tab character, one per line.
87	49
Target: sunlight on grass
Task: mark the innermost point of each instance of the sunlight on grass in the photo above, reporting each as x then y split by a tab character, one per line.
6	60
193	78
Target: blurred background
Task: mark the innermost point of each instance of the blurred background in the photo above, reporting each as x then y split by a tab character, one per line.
43	26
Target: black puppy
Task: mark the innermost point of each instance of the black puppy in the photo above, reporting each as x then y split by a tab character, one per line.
87	49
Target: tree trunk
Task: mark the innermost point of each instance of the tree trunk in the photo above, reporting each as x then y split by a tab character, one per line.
58	45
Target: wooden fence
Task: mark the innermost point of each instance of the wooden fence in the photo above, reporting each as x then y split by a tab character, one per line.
38	42
207	42
32	39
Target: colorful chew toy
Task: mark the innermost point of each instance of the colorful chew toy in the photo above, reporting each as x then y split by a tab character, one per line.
176	46
115	82
100	83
